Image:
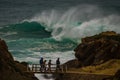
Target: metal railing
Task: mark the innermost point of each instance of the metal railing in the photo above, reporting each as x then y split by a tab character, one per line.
36	68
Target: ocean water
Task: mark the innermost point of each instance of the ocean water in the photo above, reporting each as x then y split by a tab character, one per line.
53	28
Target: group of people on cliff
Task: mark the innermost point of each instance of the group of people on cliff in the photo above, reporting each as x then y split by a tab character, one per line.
47	66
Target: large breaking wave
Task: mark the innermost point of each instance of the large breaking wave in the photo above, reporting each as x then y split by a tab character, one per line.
54	32
25	30
77	22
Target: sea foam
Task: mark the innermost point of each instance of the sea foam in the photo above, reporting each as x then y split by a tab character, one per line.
77	22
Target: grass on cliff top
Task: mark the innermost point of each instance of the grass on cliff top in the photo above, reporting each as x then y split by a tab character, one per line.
109	67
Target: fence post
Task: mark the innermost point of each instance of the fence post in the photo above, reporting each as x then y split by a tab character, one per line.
62	68
66	68
35	67
28	67
32	67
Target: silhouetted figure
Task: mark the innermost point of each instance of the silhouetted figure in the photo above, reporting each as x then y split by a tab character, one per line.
49	65
41	64
58	64
44	65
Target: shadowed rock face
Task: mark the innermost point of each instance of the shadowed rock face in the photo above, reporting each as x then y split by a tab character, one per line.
117	76
98	49
10	69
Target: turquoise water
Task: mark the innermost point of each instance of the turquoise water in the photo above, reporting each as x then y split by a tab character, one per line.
28	41
52	34
53	28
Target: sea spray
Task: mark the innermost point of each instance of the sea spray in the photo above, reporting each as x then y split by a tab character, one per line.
56	31
28	42
77	22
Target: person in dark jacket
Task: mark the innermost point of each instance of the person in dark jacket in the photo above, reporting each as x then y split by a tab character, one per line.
58	64
41	64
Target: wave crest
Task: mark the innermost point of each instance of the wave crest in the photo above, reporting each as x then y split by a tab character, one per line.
77	22
25	29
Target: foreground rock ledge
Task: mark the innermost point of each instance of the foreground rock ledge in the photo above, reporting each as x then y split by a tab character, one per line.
10	69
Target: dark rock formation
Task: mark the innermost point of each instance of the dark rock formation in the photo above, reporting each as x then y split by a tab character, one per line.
98	49
10	69
73	64
94	50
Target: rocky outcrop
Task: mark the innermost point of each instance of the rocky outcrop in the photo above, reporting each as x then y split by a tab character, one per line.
98	49
10	69
95	51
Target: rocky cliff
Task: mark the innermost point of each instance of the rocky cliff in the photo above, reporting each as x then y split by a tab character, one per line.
96	54
98	49
10	69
